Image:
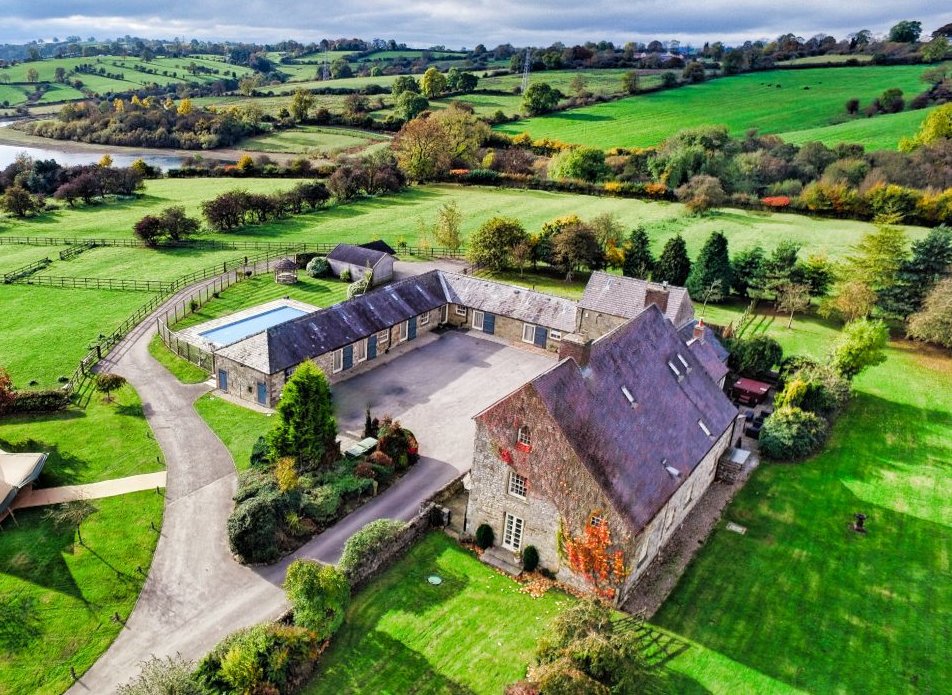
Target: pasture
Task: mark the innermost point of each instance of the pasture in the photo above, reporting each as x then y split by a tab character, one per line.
778	101
882	132
844	612
315	141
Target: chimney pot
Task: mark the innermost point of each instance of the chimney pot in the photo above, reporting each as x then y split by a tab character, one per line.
699	330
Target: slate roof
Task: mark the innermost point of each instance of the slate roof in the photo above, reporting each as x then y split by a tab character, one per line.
508	300
708	350
285	264
290	343
626	448
356	255
626	297
379	245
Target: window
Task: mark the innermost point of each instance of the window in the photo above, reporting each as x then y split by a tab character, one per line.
555	335
444	313
628	396
383	337
424	318
460	310
517	485
361	350
478	320
684	362
338	360
596	520
524	436
674	369
512	533
704	428
528	333
404	330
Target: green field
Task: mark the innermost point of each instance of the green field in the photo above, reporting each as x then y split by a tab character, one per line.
12	94
827	59
879	133
183	370
274	104
101	441
803	603
605	82
58	597
236	426
771	102
314	140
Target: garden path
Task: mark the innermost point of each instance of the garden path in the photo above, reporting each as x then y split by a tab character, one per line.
91	491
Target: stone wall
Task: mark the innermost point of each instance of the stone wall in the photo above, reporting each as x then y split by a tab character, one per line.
508	329
243	381
595	324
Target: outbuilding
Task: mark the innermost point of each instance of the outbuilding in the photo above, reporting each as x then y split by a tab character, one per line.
357	260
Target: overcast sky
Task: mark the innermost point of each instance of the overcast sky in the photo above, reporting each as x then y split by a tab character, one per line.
457	23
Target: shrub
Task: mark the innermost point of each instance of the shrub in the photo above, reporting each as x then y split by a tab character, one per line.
530	558
366	543
398	443
260	452
378	458
252	529
817	389
484	536
345	275
317	267
322	504
319	595
267	658
45	401
364	470
163	676
791	433
754	356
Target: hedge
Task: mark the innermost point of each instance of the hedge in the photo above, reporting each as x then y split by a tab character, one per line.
367	542
791	433
46	401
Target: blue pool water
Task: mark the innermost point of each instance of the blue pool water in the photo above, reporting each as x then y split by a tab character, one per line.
233	332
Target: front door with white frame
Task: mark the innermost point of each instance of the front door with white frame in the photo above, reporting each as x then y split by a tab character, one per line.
478	320
512	533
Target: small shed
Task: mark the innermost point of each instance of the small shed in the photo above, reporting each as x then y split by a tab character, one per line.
379	245
357	260
285	271
750	391
18	472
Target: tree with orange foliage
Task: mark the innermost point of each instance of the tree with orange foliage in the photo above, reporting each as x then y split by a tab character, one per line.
591	555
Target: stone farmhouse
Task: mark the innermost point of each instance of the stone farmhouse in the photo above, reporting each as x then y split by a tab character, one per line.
622	435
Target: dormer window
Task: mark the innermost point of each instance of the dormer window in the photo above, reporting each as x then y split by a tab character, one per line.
684	362
524	439
704	429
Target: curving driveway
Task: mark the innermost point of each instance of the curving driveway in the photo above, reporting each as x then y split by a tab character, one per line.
196	593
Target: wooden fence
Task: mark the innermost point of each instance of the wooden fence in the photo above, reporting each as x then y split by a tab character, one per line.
75	250
124	284
25	271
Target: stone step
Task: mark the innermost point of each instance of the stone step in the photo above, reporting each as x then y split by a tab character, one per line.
502	560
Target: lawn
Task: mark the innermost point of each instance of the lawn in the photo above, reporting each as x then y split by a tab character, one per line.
314	140
181	369
801	599
880	133
101	441
474	633
263	288
237	427
57	597
778	101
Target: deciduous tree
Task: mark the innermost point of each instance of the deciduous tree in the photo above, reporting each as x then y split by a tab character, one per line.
423	149
492	244
933	322
575	246
301	104
107	382
861	345
539	98
433	83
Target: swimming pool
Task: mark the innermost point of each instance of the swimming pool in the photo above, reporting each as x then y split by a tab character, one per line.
238	330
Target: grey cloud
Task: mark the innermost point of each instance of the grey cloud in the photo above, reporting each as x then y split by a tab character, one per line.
462	22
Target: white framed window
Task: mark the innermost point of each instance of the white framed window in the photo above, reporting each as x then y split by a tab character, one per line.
460	310
338	363
512	532
596	520
555	335
704	429
424	318
404	330
524	436
517	485
361	350
478	320
383	337
528	333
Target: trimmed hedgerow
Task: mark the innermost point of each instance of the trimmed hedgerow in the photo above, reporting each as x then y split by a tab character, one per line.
367	542
319	595
792	433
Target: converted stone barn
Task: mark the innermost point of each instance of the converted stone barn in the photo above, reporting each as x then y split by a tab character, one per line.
611	300
623	434
357	260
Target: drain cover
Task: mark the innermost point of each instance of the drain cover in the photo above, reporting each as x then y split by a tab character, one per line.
434	580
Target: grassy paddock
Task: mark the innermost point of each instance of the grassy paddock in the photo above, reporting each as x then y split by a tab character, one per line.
845	613
58	597
238	428
778	101
183	370
882	132
311	139
99	442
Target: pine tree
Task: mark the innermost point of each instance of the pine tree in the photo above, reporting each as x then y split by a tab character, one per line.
931	261
710	278
639	263
673	264
306	428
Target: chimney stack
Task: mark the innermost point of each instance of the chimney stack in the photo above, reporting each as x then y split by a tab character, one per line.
576	346
699	330
657	296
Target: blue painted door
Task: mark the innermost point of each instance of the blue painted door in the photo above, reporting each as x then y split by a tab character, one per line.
262	393
411	328
489	323
372	347
540	336
222	379
348	353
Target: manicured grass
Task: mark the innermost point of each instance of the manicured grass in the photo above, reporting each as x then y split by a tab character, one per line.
47	330
15	256
181	369
308	139
238	428
133	263
802	599
772	102
880	133
263	288
101	441
474	633
57	597
550	281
